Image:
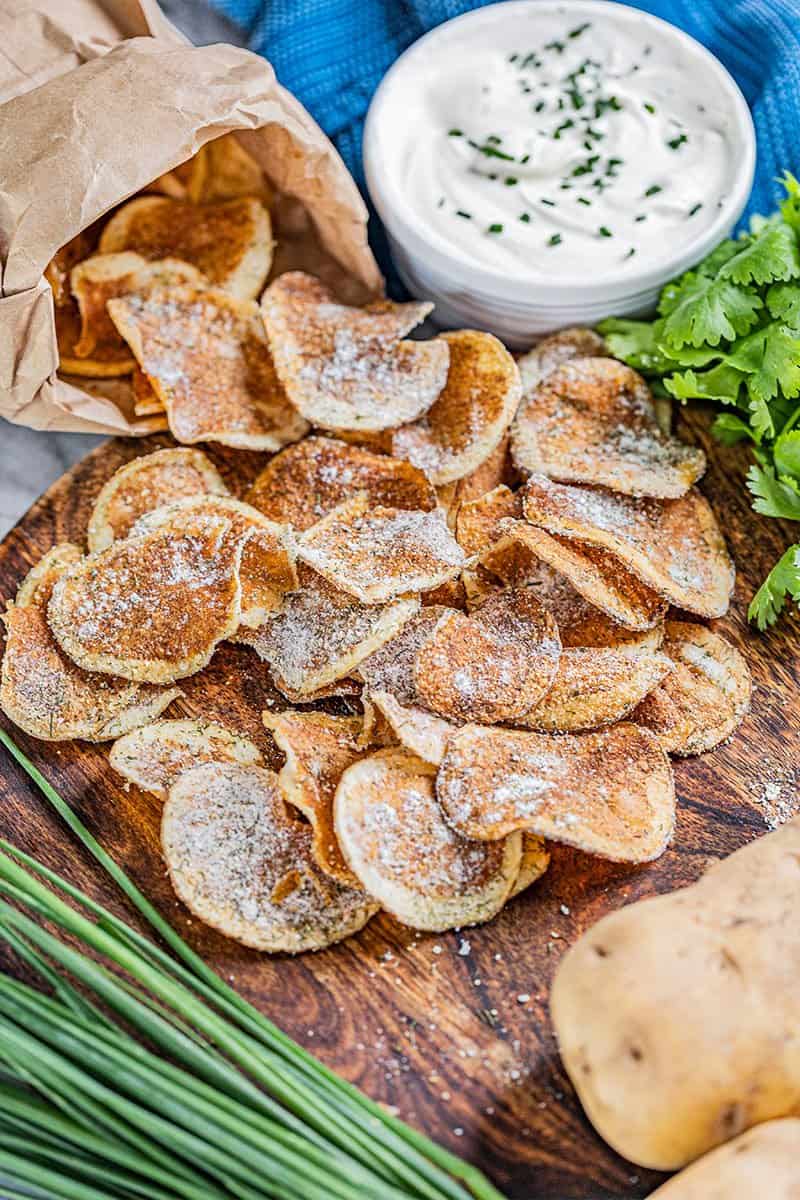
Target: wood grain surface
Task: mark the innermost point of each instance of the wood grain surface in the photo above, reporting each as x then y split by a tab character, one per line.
452	1030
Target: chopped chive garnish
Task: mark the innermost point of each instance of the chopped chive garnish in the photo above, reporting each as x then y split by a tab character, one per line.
583	200
493	139
555	45
525	217
579	29
549	203
495	229
651	108
604	231
460	213
604	104
538	106
511	180
554	240
641	217
525	158
568	124
631	252
491	151
676	142
455	133
612	164
695	209
654	189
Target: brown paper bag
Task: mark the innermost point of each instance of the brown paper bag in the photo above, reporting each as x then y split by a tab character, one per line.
97	99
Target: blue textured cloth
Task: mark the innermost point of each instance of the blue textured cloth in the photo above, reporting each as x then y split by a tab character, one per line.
332	55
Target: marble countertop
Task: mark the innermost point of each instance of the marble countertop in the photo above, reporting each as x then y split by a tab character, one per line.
31	461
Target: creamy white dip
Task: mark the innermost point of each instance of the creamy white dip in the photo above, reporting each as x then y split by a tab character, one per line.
544	141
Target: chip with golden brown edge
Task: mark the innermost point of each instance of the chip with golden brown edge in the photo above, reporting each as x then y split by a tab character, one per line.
105	277
421	732
107	362
242	864
478	520
494	665
230	243
267	560
44	692
347	368
673	546
495	470
592	420
206	356
145	401
596	686
390	668
152	758
321	635
610	793
223	170
535	861
393	835
319	748
705	695
599	576
471	414
376	553
152	607
147	483
552	351
306	481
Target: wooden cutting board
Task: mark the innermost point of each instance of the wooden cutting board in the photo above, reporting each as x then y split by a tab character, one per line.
452	1030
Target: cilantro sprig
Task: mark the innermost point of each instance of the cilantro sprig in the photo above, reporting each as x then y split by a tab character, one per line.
728	331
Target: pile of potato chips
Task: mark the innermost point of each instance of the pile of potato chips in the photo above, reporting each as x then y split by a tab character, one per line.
481	554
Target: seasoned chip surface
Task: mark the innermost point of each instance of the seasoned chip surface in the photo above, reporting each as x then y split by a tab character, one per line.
319	748
393	835
492	666
391	667
145	484
108	361
207	358
478	520
306	481
535	861
468	420
376	553
154	757
592	420
552	351
596	686
154	607
609	793
673	546
346	368
421	732
230	243
44	692
242	865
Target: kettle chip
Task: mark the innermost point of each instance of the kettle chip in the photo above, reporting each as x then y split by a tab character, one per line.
146	483
44	692
244	866
306	481
592	420
223	170
145	401
534	863
347	368
206	355
230	243
478	520
673	546
558	348
390	668
469	418
596	686
609	793
421	732
155	756
396	841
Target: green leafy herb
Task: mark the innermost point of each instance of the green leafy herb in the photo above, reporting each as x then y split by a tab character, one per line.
782	581
679	140
496	228
555	239
654	189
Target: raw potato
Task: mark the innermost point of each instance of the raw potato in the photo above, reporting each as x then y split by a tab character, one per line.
677	1016
762	1162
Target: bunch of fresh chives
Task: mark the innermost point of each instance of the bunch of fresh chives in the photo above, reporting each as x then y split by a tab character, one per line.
140	1073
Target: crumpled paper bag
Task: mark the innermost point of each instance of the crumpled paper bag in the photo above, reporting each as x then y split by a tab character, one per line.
97	99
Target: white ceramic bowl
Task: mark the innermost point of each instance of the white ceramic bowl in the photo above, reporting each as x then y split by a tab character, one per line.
517	310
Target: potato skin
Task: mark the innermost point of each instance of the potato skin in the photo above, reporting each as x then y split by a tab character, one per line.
765	1162
678	1018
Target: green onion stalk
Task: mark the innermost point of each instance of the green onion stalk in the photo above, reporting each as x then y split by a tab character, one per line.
134	1070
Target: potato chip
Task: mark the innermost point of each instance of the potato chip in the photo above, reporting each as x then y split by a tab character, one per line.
709	687
306	481
596	574
348	687
244	866
206	356
266	565
493	472
106	277
596	686
419	731
552	351
610	793
469	418
479	585
377	553
395	839
494	665
154	757
223	170
230	243
145	401
535	861
57	271
592	420
322	635
44	692
154	607
673	546
346	368
319	748
478	521
107	362
146	483
390	668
